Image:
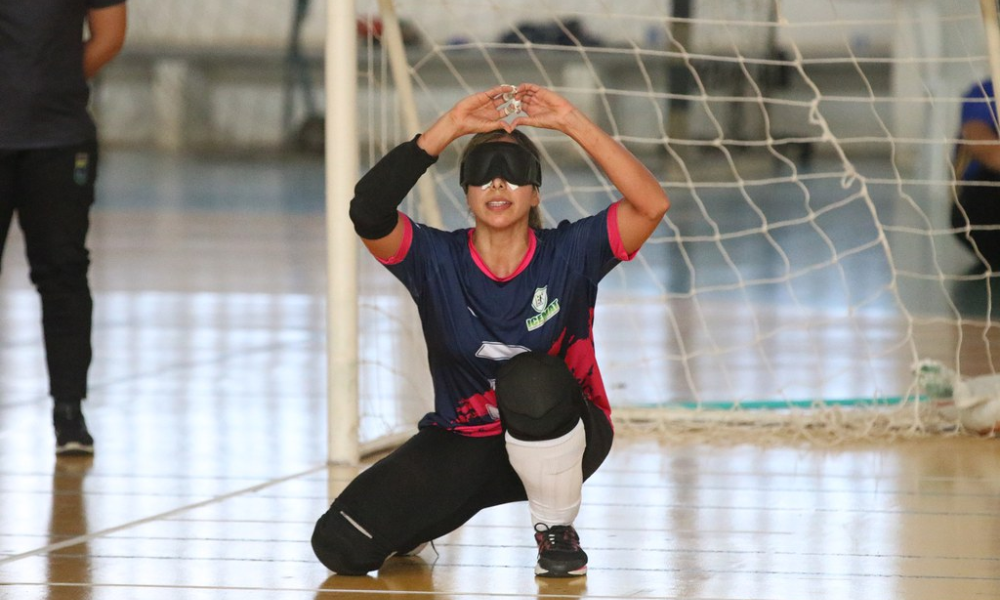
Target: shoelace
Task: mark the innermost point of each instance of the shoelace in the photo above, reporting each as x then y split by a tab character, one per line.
558	538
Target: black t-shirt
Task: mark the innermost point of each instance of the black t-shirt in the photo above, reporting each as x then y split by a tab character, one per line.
43	93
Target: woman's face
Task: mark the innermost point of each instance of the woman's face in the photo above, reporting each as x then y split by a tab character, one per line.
499	204
501	178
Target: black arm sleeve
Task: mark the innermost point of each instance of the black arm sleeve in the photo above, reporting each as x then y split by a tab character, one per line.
382	189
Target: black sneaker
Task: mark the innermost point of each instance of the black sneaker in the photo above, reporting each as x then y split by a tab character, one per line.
72	436
559	552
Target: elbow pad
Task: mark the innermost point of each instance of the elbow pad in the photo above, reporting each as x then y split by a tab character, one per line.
382	189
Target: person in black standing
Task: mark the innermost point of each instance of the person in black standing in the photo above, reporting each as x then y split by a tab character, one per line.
48	166
975	215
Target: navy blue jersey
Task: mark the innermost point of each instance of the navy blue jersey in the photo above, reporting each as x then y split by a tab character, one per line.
473	320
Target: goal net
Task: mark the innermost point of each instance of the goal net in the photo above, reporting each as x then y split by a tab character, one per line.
808	265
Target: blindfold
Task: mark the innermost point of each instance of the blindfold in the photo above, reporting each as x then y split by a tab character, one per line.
509	161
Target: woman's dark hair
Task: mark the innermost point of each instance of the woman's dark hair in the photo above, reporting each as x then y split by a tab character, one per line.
534	215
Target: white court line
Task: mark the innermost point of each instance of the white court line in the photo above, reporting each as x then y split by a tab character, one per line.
334	592
90	536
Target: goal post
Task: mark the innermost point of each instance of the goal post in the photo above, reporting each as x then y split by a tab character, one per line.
342	291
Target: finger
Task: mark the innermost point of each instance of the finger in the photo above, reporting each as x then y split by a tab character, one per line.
473	102
510	109
530	99
530	105
522	122
498	91
488	123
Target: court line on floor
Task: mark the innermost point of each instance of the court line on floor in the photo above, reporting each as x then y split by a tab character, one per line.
80	539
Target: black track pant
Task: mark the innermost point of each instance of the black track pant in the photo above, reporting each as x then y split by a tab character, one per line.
52	190
438	480
978	206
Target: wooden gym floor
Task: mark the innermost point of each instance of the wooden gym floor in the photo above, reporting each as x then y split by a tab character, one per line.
207	405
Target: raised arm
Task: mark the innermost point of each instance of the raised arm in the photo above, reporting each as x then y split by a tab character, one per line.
376	204
643	201
107	36
987	153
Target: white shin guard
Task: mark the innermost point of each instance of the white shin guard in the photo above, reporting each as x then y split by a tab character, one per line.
552	474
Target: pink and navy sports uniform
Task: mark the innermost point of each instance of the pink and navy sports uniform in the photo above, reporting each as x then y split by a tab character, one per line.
483	333
473	320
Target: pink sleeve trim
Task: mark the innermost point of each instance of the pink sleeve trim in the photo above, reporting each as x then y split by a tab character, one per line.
615	236
404	246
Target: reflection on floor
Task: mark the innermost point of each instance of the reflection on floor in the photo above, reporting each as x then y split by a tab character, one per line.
208	404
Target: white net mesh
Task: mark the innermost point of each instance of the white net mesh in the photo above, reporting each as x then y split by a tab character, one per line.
808	261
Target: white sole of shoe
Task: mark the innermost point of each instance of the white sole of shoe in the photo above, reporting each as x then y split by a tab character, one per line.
541	572
74	448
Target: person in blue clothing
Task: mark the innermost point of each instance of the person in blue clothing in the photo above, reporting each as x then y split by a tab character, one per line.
507	310
976	212
48	166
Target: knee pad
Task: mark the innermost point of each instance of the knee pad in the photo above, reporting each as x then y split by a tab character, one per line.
345	547
538	397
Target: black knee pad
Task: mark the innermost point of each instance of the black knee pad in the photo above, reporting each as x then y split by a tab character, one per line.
344	548
538	397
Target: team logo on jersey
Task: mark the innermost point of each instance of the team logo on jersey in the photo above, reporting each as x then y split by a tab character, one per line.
540	299
545	309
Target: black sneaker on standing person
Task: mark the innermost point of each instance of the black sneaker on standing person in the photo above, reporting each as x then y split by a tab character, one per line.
72	436
559	552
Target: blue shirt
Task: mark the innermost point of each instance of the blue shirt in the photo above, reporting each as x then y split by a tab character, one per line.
977	106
